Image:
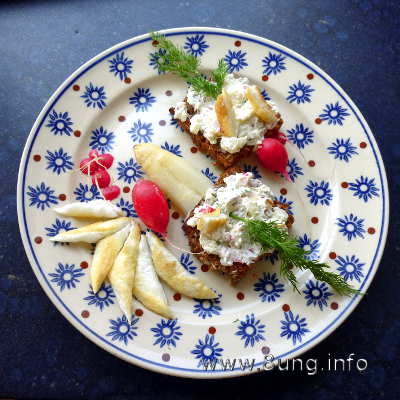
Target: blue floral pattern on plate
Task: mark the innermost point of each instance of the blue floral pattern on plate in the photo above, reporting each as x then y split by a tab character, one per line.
102	299
364	188
129	171
273	63
235	60
141	132
66	276
207	350
187	263
121	330
57	227
60	123
317	294
342	149
174	149
84	193
299	93
207	308
196	45
121	66
350	267
319	193
142	99
59	161
41	196
166	332
251	330
293	327
300	136
351	226
94	96
335	114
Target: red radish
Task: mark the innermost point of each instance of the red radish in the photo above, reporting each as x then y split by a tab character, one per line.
93	154
105	160
101	178
151	205
280	136
111	192
87	165
273	156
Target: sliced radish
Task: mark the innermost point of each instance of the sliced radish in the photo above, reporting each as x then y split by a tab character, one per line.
93	154
111	192
280	136
88	166
101	178
105	160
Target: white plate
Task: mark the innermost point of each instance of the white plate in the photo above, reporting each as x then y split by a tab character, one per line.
339	198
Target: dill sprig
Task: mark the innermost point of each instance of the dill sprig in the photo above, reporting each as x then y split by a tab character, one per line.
271	236
175	60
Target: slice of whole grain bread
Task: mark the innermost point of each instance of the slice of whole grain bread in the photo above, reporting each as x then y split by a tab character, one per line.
236	271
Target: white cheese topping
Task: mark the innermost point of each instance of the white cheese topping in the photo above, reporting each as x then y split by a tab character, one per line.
246	197
250	129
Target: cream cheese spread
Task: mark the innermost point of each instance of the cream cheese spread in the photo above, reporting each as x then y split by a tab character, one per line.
246	197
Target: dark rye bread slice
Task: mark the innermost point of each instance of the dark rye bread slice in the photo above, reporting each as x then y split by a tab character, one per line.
236	271
222	158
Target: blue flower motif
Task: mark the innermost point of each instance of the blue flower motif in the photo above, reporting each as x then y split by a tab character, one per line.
319	193
127	208
196	45
122	330
41	196
207	308
294	170
317	293
84	194
156	58
265	95
287	203
121	66
342	149
364	188
207	350
334	114
142	99
94	96
172	149
299	93
253	169
187	263
272	257
60	123
209	174
103	298
273	63
166	332
350	267
312	246
66	276
250	330
102	140
141	132
300	136
293	327
235	60
174	122
129	171
351	226
269	287
58	227
59	161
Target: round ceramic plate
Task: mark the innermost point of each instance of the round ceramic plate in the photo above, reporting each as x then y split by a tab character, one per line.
339	198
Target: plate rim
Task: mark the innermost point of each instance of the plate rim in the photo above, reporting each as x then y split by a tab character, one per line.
149	364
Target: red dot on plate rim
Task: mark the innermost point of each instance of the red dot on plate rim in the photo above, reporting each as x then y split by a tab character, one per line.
334	305
310	76
85	314
62	197
363	145
311	163
37	157
168	93
84	264
121	118
265	350
371	230
127	80
138	312
77	133
175	215
332	255
193	149
126	189
162	122
286	307
38	239
238	43
211	330
283	191
265	78
318	121
177	296
314	220
166	357
205	268
76	88
240	295
344	185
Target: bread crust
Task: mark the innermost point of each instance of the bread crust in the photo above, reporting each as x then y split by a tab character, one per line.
237	270
222	158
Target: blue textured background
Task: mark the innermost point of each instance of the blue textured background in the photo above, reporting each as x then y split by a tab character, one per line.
42	42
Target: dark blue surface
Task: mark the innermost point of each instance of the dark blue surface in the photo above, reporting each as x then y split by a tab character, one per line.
41	355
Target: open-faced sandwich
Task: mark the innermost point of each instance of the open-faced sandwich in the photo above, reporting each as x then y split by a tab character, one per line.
230	127
222	241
